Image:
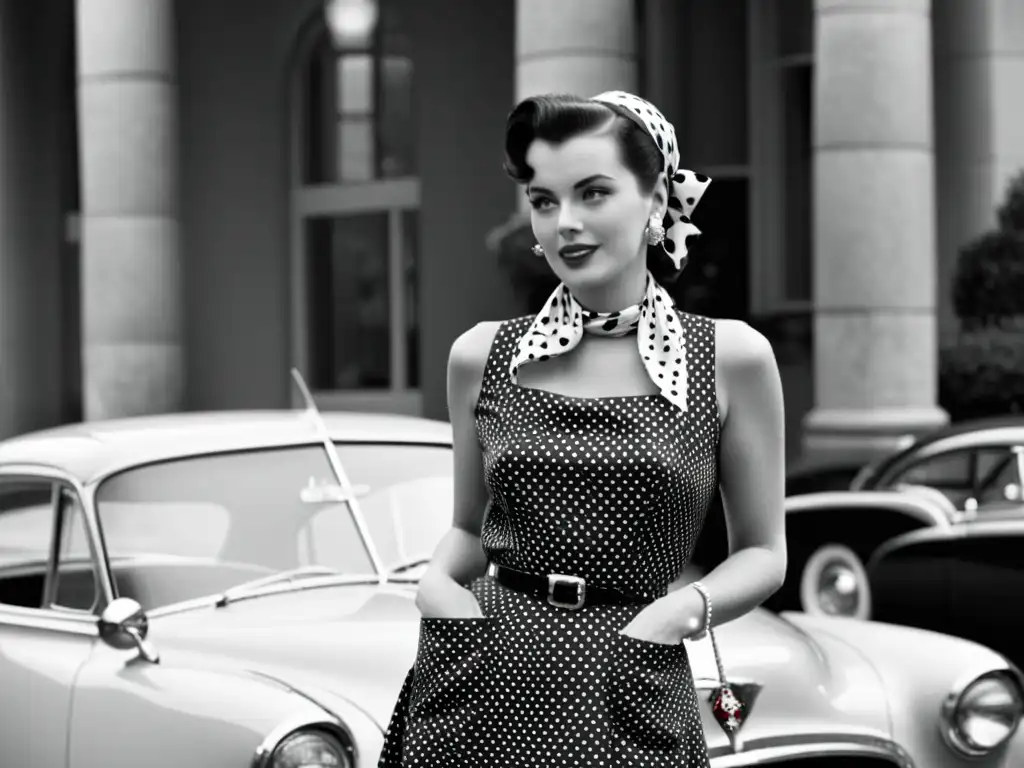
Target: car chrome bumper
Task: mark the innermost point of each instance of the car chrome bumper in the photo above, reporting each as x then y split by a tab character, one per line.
786	750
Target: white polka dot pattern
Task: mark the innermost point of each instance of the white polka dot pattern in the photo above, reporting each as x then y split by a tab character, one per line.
685	188
612	489
560	325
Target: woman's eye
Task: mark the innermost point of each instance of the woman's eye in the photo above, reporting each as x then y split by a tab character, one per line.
540	203
595	193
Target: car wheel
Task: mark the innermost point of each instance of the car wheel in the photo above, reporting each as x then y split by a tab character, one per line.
834	583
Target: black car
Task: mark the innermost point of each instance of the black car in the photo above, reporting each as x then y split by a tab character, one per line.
954	564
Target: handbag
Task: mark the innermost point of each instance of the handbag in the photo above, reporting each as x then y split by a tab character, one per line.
731	702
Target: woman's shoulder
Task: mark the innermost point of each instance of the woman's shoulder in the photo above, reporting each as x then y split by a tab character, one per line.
738	345
470	350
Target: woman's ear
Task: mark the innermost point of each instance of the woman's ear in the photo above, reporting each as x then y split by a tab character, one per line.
659	200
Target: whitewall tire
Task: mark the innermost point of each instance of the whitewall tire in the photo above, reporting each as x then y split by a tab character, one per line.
835	583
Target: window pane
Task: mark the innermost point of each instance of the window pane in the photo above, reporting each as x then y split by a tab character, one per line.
397	129
405	495
355	150
268	511
355	84
797	88
76	574
947	470
182	529
349	305
410	245
26	533
357	111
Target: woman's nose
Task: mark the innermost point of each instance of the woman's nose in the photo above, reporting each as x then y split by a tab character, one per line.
568	221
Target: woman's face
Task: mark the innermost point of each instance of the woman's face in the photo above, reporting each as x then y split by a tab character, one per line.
588	211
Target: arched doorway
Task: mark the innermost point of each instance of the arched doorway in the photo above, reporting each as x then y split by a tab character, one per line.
355	198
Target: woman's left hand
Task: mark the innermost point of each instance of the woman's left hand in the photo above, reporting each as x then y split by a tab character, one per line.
659	622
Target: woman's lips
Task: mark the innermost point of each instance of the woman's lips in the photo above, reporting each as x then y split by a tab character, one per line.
576	252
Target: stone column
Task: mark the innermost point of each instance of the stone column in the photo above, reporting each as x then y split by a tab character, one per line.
875	346
575	46
583	47
979	66
132	361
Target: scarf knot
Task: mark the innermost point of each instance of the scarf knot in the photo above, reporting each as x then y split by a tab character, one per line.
560	325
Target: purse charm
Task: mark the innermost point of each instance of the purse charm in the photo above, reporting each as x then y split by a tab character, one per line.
730	702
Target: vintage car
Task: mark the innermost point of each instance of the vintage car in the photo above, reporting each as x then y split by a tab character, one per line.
953	565
860	471
232	589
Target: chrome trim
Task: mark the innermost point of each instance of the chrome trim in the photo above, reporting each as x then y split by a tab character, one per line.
997	437
896	501
49	620
85	493
264	754
952	700
331	450
764	752
411	436
912	537
347	721
211	601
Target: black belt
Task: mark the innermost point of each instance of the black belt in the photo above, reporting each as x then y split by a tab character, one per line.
560	590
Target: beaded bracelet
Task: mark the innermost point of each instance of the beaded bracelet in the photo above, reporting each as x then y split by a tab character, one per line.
707	610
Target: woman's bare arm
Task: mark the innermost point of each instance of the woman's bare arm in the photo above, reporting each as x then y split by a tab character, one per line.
459	557
752	479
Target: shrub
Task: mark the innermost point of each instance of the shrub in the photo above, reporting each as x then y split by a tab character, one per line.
988	287
982	373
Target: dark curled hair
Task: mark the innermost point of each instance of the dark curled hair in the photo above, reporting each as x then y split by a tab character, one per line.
556	118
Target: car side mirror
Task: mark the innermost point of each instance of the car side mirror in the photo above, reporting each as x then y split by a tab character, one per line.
123	625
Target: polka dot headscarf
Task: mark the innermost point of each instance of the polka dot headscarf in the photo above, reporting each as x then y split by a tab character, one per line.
685	188
560	325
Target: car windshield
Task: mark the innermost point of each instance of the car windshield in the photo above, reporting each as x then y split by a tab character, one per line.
188	528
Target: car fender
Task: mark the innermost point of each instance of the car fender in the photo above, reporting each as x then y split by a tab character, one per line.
365	734
919	670
189	711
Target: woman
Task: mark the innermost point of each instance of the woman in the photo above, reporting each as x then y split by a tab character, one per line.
595	435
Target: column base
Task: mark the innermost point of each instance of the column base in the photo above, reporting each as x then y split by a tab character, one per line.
831	435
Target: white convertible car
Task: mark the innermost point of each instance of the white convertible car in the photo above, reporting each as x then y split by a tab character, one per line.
236	589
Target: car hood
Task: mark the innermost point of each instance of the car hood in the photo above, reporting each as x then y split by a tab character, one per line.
359	642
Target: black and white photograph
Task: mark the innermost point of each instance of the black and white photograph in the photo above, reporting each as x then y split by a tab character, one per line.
511	383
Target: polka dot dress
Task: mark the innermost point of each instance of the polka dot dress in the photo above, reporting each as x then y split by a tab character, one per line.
611	489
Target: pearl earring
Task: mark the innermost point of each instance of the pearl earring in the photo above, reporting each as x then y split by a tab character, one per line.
537	250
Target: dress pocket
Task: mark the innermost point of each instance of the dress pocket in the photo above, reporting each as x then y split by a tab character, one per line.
647	689
452	660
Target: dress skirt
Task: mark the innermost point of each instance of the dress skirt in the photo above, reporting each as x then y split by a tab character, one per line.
536	685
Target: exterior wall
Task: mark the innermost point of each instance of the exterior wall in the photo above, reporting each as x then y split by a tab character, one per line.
979	123
709	66
235	119
36	116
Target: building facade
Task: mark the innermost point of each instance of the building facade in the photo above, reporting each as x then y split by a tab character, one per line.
196	197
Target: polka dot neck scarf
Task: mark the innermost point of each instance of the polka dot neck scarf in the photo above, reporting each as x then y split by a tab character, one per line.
560	326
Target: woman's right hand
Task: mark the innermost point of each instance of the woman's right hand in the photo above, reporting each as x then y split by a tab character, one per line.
441	597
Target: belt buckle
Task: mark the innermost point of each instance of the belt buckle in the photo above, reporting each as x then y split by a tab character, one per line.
554	579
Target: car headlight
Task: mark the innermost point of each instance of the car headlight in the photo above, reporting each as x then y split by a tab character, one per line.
983	715
310	748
